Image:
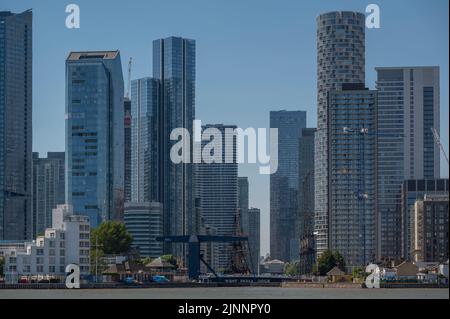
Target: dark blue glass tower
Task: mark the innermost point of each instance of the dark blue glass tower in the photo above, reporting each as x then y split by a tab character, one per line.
174	67
95	134
15	125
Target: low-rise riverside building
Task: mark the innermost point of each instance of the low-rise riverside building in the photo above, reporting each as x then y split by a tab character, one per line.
67	242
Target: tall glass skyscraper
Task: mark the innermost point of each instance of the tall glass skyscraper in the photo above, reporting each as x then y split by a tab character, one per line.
408	107
352	114
284	185
217	184
15	125
144	138
340	59
127	148
174	67
95	134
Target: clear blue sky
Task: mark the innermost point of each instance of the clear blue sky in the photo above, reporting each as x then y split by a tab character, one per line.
253	56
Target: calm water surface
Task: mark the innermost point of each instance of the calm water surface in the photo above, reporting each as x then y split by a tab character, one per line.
227	292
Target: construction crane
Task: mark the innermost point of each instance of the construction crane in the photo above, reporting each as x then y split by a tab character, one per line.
129	78
437	139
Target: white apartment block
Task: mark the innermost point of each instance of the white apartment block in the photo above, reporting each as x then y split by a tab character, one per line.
67	242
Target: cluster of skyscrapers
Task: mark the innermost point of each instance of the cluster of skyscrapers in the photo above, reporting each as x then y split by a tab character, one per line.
366	145
117	163
361	182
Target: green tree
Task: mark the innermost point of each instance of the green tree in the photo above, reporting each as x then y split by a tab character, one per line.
328	260
146	260
112	238
291	269
340	262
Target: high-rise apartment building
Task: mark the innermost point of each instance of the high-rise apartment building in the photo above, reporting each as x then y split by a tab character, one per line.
408	108
217	183
340	59
284	184
413	190
48	189
306	200
429	235
15	125
352	149
95	134
174	67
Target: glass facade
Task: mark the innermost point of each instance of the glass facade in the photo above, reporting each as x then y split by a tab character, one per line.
284	185
306	200
340	59
408	107
127	147
15	125
95	135
217	185
174	67
48	189
144	222
144	134
352	175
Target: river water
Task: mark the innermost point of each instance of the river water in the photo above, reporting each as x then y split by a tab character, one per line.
227	293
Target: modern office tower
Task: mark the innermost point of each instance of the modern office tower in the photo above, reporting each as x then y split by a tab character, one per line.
174	67
284	184
306	200
144	221
352	154
95	134
65	242
408	107
48	189
144	138
15	125
127	149
413	190
217	183
252	229
429	236
340	59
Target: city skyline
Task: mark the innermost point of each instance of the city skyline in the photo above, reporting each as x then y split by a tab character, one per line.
213	113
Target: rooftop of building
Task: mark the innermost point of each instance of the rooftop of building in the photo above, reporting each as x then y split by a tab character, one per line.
405	67
82	55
